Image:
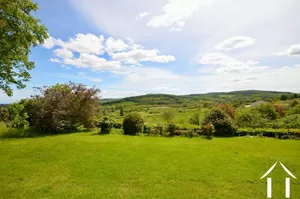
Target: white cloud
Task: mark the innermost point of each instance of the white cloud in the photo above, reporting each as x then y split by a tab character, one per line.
82	43
140	55
119	51
63	53
235	42
294	50
55	60
228	64
142	15
92	62
85	43
49	43
175	13
115	45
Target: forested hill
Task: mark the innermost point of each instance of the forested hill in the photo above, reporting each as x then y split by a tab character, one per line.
244	96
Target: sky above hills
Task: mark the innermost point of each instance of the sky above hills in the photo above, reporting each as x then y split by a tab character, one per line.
135	47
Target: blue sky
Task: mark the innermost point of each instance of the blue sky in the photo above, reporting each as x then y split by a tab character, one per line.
135	47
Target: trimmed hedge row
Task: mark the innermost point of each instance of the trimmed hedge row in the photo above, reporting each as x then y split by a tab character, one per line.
268	132
193	131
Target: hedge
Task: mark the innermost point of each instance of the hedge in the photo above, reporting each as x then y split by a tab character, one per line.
269	132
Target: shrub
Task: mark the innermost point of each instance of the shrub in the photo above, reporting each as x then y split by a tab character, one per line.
117	125
168	115
105	126
4	114
195	119
222	123
133	124
17	115
17	133
121	111
294	103
189	133
250	118
280	110
269	132
294	110
283	97
289	122
267	111
208	130
63	107
229	110
171	129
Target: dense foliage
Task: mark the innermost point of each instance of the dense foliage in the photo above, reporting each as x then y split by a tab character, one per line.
133	124
168	115
222	122
106	126
63	107
19	31
4	114
250	117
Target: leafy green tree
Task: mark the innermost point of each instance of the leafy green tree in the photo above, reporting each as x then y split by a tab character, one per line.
294	110
284	97
64	107
280	110
228	109
105	126
267	111
133	124
294	103
168	115
121	111
222	122
17	116
19	31
249	117
4	114
195	119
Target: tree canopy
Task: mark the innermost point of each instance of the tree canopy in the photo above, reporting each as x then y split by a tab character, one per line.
19	31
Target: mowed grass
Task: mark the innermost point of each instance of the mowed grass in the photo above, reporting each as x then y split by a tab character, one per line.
84	165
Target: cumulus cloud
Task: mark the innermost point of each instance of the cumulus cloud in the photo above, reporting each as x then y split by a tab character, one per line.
90	47
63	53
235	42
49	43
55	60
176	13
115	45
82	43
294	50
92	62
228	64
140	55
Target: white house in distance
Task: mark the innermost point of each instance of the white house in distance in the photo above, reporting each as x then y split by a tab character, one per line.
287	181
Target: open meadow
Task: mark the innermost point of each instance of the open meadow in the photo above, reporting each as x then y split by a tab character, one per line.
87	165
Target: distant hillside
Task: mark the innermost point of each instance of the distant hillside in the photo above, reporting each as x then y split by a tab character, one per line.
166	99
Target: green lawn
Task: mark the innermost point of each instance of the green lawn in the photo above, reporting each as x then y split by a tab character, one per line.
114	166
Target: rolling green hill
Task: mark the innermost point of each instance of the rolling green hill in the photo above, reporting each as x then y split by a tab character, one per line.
166	99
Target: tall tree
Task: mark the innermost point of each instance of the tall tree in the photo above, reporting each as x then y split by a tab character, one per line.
19	31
